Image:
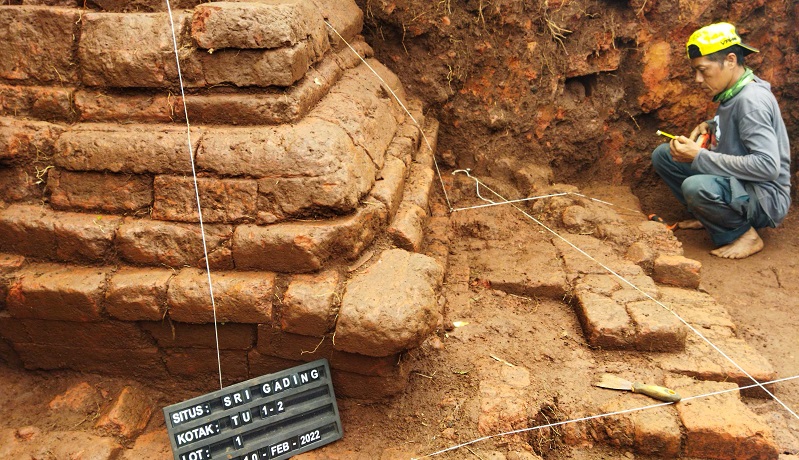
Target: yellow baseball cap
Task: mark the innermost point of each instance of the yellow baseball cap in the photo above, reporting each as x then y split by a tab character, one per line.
715	37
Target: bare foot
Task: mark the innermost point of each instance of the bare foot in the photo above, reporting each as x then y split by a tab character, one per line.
746	245
692	224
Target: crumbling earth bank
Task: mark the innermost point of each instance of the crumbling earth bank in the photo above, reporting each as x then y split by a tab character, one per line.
314	183
578	86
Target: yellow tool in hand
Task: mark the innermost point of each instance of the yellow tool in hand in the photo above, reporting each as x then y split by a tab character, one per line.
614	382
665	134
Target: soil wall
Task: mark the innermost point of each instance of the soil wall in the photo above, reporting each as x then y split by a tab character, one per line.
578	86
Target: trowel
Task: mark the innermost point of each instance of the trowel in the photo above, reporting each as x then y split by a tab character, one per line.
614	382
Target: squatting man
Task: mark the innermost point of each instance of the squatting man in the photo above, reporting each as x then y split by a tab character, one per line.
739	180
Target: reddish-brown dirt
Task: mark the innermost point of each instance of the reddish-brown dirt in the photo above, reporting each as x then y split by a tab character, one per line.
501	108
502	333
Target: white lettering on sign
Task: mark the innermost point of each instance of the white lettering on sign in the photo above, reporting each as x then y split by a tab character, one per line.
272	408
203	453
308	438
279	449
251	456
236	399
294	380
190	413
195	434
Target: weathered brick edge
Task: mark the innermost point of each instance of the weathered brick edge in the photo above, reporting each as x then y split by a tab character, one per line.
151	323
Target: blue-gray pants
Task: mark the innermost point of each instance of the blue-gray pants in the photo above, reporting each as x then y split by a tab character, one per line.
722	204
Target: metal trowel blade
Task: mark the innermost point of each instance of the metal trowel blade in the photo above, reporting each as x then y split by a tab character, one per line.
614	382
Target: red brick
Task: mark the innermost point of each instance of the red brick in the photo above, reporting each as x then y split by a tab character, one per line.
721	426
126	6
605	322
310	167
42	102
9	263
356	104
79	398
425	155
419	186
274	342
537	271
346	18
107	106
8	355
503	405
57	292
84	237
653	431
261	68
301	247
38	44
309	302
656	329
401	148
256	25
129	414
30	442
222	200
143	363
131	149
19	183
129	50
103	192
152	242
27	140
389	188
100	335
138	294
407	228
28	230
201	364
261	364
181	335
241	297
390	307
369	387
705	363
153	445
411	128
677	271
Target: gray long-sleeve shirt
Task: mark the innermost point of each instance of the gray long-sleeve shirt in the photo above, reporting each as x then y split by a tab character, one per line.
752	147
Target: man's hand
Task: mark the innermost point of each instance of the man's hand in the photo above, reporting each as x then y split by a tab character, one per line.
703	128
683	149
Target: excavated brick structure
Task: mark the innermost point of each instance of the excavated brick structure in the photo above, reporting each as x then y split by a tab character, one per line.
314	185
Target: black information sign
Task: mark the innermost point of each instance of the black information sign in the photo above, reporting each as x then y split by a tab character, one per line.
274	416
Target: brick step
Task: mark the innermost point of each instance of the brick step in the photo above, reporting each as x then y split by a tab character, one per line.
60	316
717	427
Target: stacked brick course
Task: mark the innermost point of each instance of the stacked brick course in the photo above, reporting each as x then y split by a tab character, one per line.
303	161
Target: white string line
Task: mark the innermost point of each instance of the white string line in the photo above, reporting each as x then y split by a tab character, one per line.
388	88
532	198
647	295
196	193
505	201
605	415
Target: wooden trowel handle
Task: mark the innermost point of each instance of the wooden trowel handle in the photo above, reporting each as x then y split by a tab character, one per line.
657	392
